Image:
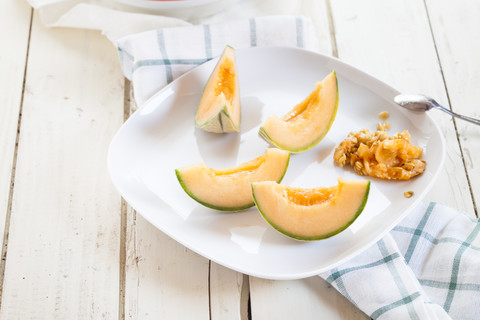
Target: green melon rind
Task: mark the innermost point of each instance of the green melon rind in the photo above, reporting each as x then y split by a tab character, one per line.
264	135
319	237
224	119
225	209
208	205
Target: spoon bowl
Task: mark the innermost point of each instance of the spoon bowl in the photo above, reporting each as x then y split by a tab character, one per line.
423	103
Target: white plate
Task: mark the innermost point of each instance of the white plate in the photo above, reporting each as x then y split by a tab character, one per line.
160	137
185	9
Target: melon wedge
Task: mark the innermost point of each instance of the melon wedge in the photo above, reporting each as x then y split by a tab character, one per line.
311	214
219	107
308	122
230	189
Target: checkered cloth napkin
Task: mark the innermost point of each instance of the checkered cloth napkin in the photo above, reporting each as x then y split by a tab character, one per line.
425	268
153	59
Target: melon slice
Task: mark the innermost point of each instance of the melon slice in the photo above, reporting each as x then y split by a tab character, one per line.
230	189
219	107
311	214
308	122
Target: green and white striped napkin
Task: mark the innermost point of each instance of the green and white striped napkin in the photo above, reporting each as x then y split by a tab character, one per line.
153	59
425	268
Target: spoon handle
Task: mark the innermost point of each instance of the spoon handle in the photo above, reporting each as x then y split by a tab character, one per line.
472	120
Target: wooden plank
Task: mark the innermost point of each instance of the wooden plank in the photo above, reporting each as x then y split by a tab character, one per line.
163	279
14	31
392	41
310	298
229	292
456	29
63	249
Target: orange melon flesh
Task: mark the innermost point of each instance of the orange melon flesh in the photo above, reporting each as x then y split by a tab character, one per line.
311	214
219	107
229	189
308	122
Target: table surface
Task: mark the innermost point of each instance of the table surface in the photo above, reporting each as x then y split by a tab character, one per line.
73	249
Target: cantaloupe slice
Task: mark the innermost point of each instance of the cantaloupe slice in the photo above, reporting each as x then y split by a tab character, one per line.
219	107
230	189
311	214
308	122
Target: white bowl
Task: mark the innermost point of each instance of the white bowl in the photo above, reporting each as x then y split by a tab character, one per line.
185	9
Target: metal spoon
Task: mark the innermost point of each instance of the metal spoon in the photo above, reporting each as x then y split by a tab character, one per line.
419	102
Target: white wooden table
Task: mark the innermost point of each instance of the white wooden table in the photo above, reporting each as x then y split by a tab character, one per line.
73	249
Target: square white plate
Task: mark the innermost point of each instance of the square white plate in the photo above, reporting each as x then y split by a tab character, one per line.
161	137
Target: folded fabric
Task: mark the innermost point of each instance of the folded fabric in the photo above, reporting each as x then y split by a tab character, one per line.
110	17
425	268
152	59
